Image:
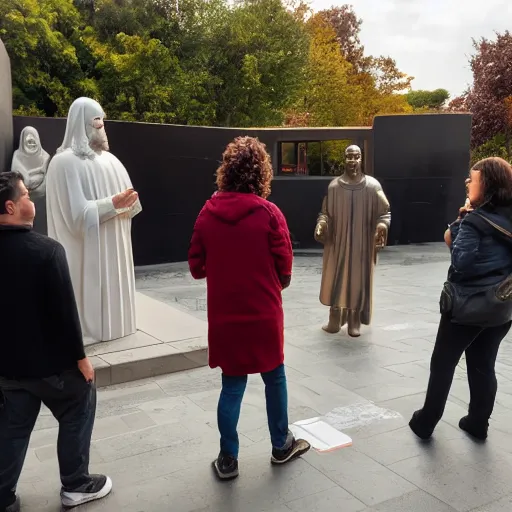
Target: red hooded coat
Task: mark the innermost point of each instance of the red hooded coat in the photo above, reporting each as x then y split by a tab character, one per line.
241	245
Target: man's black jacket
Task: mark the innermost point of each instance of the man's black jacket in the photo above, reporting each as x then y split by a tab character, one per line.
40	332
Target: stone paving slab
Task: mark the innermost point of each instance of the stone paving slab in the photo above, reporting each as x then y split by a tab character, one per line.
167	340
157	437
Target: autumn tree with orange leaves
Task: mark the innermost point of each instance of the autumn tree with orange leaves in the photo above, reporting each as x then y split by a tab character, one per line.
343	85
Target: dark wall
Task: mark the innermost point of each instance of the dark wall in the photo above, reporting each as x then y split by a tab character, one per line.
422	162
5	110
300	200
173	168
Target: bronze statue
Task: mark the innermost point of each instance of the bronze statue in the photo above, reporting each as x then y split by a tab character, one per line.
353	226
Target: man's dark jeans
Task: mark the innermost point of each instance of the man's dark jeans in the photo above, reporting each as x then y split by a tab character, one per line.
73	403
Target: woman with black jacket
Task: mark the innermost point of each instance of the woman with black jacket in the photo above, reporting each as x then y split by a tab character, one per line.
480	241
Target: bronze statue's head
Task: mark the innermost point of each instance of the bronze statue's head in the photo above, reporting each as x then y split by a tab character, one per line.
353	160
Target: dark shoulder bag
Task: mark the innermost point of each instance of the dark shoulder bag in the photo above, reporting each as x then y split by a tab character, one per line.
485	306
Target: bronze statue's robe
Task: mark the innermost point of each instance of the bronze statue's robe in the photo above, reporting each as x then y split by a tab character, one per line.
351	213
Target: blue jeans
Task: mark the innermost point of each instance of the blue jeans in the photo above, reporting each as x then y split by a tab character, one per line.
230	402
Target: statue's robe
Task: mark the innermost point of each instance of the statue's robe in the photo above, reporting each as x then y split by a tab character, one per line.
351	212
97	240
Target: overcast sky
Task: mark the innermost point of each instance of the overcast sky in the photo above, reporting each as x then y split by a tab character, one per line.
429	39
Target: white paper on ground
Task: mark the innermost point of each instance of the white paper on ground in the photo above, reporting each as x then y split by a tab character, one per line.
325	432
322	436
358	415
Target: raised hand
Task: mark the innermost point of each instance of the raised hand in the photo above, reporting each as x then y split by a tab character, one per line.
463	210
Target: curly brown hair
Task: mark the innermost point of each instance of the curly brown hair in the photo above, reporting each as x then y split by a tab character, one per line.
496	177
245	168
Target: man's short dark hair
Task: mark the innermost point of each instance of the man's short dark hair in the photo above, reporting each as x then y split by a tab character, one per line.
9	188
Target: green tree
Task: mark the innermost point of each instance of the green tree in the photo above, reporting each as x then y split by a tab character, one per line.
380	83
39	36
157	69
493	147
141	80
109	17
379	72
241	63
259	57
330	98
428	100
231	65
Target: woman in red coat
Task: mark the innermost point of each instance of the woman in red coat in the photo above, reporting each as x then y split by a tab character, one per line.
241	245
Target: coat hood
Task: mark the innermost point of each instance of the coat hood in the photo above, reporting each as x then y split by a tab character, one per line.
499	222
232	207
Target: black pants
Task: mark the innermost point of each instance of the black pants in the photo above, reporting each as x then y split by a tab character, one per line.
73	403
481	346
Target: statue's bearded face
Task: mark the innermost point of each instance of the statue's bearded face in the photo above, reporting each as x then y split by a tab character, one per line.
97	136
353	162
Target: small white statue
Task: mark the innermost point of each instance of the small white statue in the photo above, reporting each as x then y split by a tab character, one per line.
90	205
31	161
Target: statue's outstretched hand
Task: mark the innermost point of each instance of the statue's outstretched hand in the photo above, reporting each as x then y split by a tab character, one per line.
320	232
125	199
381	236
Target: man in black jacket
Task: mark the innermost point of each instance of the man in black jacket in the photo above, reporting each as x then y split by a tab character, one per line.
42	358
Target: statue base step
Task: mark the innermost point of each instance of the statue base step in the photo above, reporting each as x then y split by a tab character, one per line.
167	340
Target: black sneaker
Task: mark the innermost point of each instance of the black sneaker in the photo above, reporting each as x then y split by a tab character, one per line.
98	487
478	431
297	448
225	467
14	507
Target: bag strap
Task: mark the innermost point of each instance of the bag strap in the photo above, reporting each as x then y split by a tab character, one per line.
501	230
494	225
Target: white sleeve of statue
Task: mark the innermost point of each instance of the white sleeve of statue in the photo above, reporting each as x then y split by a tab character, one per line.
106	209
65	192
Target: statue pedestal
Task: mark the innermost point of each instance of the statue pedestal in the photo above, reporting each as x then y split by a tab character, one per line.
167	340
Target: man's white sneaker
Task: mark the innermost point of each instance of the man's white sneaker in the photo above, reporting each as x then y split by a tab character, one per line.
98	487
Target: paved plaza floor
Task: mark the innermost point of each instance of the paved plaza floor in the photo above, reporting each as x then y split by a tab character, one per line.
157	438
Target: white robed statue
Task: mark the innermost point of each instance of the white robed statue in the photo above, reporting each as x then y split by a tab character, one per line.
31	161
90	205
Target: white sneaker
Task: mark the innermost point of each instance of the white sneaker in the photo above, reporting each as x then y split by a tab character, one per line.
98	487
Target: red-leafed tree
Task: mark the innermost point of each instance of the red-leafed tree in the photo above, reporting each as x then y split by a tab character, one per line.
490	97
458	104
347	26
